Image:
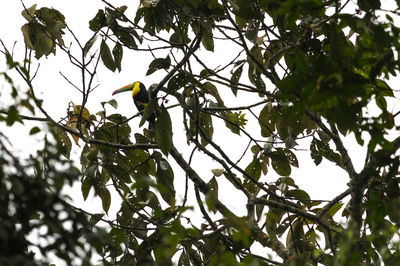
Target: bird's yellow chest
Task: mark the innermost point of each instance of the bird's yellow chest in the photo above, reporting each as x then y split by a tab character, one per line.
135	89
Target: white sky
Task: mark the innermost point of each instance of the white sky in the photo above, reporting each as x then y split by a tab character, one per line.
323	182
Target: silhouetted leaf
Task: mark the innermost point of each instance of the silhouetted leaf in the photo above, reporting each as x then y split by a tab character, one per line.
106	56
98	21
89	44
163	131
158	63
117	53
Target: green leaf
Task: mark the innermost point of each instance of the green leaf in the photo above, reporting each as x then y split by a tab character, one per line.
208	42
235	79
217	172
29	13
280	163
44	45
98	21
163	131
301	63
315	155
252	30
254	169
335	208
85	187
158	63
27	35
381	102
267	120
148	111
290	156
89	44
111	102
366	5
290	142
34	130
95	218
178	81
243	9
37	38
211	89
165	181
298	194
12	115
125	35
213	184
105	197
65	142
117	53
207	35
54	23
106	56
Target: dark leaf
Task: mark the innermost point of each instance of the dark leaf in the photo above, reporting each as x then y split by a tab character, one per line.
105	196
148	111
89	44
95	218
117	53
107	57
165	181
98	21
235	79
280	163
163	131
34	130
65	142
158	63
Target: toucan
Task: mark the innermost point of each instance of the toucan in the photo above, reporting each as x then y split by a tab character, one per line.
140	97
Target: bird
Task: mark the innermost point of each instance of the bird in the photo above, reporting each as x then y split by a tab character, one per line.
140	98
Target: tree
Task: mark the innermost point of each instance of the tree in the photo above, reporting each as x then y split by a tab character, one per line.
305	73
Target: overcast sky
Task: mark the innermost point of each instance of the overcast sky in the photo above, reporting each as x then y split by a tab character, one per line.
322	182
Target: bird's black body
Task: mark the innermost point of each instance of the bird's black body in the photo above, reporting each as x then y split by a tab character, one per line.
140	97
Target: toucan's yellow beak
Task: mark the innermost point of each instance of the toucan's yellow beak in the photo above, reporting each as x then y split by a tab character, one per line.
128	87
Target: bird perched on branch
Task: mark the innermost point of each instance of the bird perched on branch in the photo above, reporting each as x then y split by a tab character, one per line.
140	97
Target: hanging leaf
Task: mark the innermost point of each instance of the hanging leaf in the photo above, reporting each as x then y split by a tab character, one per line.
235	79
65	142
267	120
117	53
165	181
211	89
106	56
315	155
105	197
163	131
89	44
148	111
280	163
85	188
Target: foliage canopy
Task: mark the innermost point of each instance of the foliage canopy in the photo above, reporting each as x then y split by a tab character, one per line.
306	72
